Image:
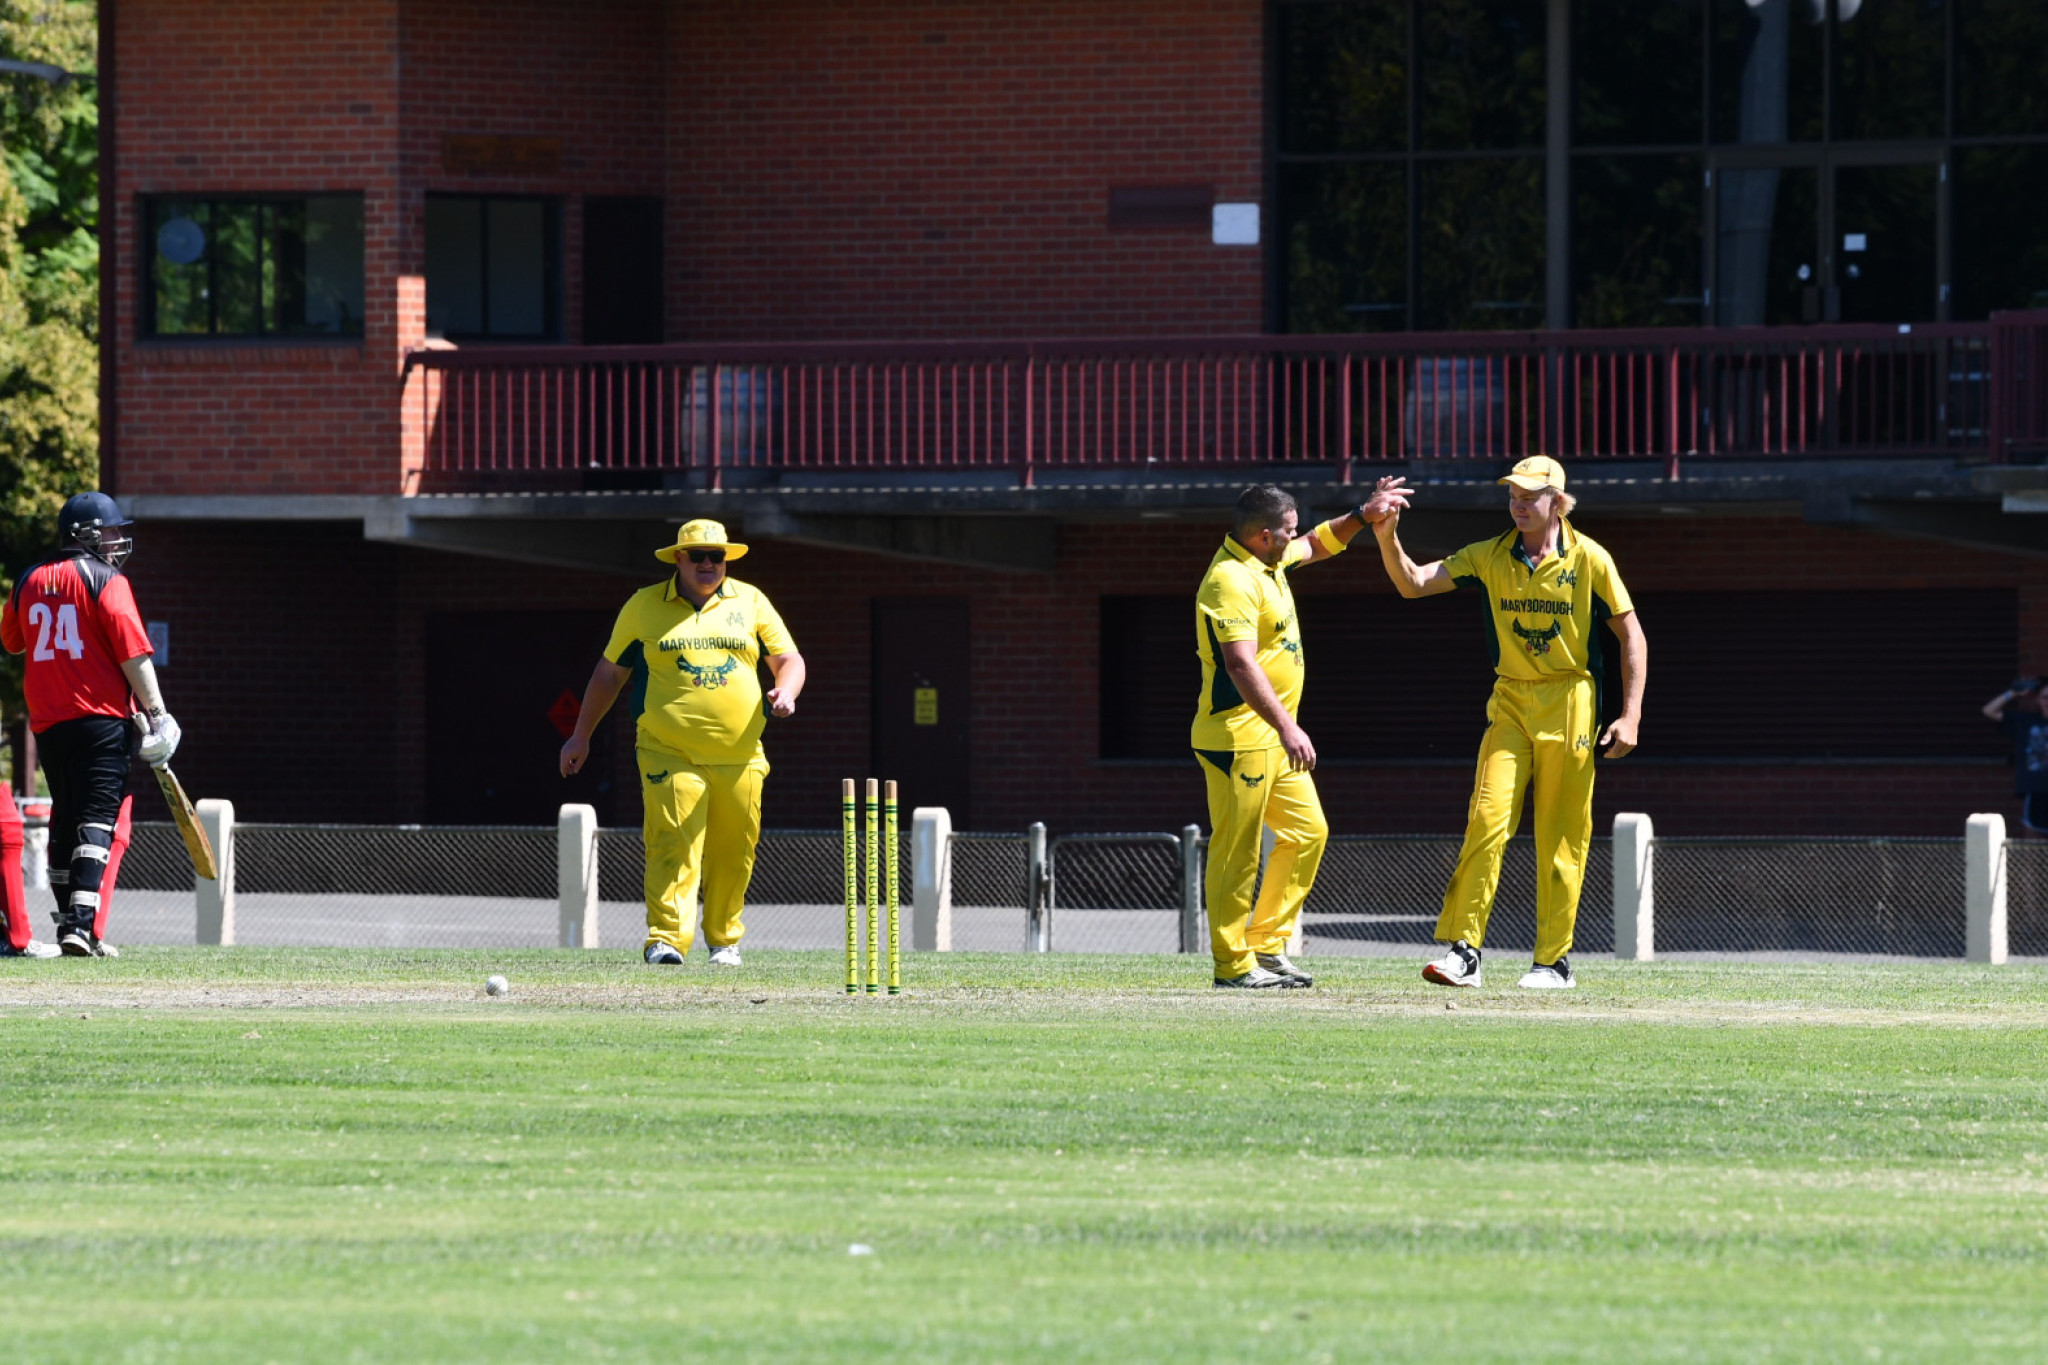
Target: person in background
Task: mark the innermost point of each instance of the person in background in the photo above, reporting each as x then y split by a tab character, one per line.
90	685
2018	710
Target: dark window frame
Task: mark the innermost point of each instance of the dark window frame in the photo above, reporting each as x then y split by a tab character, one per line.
552	272
145	266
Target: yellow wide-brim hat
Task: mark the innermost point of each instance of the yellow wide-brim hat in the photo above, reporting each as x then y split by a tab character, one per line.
1536	472
702	534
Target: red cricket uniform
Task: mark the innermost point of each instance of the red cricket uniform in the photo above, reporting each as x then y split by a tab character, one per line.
76	619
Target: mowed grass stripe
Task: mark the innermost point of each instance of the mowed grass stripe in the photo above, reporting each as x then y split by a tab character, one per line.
1102	1162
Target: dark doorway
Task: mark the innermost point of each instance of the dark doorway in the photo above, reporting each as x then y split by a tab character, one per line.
921	703
622	298
502	691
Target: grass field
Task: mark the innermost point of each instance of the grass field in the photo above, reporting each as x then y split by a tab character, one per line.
250	1155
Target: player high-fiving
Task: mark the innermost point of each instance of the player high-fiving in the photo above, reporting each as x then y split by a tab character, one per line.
88	670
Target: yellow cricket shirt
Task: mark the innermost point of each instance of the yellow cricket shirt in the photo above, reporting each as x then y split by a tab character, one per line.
696	689
1241	599
1548	620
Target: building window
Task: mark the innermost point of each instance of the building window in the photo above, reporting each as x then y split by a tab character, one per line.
255	267
493	267
1727	162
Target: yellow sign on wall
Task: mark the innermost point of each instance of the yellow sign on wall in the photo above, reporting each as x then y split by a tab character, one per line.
925	706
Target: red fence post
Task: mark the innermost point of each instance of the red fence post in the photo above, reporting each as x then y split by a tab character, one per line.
1030	374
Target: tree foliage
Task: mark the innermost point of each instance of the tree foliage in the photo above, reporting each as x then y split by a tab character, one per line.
49	278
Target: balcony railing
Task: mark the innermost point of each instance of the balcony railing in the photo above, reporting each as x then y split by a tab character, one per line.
594	417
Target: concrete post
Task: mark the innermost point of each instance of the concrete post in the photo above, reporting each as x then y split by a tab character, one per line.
1191	917
931	880
1635	917
576	875
1984	889
35	847
214	921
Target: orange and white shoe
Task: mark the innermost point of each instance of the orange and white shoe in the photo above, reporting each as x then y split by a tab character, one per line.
1458	967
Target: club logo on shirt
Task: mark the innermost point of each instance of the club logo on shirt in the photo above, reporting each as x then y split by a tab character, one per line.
1538	641
736	618
708	676
1568	579
655	779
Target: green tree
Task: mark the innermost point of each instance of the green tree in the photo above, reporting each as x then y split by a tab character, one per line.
49	281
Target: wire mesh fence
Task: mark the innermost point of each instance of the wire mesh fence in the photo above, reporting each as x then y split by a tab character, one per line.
156	859
2026	897
1116	893
1378	893
1818	895
408	886
991	887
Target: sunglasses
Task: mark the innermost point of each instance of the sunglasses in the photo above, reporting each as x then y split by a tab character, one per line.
707	556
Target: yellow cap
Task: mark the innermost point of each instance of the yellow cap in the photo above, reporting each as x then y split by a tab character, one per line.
702	534
1538	471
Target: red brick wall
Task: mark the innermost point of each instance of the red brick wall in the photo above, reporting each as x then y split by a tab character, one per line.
926	168
247	96
941	168
299	671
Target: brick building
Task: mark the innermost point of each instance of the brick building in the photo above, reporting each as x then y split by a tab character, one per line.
426	322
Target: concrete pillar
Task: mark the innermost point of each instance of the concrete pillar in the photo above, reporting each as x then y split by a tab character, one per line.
215	917
1193	935
35	846
1635	918
576	875
931	880
1984	889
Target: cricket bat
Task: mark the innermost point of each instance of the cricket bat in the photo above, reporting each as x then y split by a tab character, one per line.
188	823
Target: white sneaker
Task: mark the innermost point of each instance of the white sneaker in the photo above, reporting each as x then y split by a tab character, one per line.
663	955
36	948
1259	979
728	956
1549	976
1458	967
1279	965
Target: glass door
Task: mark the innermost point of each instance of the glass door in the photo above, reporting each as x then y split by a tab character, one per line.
1769	267
1886	235
1803	236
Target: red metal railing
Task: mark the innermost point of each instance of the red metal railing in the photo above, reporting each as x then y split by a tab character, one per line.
575	417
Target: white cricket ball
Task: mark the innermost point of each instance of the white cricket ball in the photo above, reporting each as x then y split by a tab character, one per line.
496	985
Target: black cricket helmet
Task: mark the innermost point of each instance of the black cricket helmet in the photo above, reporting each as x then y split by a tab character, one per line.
94	521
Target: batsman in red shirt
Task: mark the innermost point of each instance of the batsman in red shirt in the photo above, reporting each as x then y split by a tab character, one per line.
88	675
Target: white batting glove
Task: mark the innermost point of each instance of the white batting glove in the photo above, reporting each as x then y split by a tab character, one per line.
160	743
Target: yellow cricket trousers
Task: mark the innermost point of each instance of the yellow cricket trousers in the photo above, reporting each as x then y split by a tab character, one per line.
1541	733
701	824
1248	791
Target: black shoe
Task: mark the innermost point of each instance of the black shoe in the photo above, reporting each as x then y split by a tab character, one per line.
78	943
